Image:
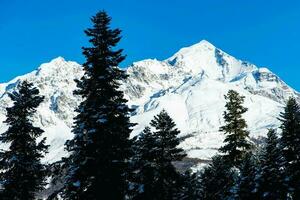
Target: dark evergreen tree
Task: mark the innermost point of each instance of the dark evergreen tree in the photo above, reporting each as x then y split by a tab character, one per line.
166	135
217	180
247	184
271	178
22	173
290	146
191	186
144	165
101	148
237	137
156	175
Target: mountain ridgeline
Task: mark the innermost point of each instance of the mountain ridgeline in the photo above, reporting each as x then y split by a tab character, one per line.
189	85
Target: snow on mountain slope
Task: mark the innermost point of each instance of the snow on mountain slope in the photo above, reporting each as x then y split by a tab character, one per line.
190	85
55	114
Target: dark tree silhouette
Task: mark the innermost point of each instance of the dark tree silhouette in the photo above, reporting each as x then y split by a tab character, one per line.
101	148
237	137
271	181
290	146
23	174
155	152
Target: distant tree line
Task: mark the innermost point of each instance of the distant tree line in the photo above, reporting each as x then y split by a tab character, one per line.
105	163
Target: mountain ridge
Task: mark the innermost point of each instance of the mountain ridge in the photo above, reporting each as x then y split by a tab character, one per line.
190	85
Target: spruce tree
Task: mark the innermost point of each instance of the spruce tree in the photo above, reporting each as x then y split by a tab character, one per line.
191	186
247	184
156	153
217	180
22	173
271	178
166	135
144	165
290	146
100	149
235	129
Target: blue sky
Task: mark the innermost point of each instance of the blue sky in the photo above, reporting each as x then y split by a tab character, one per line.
263	32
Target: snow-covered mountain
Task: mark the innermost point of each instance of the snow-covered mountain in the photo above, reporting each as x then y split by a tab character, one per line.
190	85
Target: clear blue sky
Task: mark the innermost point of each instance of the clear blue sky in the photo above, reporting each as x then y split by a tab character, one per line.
263	32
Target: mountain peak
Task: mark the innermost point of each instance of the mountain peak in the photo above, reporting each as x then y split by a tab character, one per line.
203	44
53	64
206	59
195	49
57	61
58	66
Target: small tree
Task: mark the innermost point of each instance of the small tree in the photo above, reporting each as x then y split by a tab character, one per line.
144	165
247	185
191	186
290	146
23	173
155	154
271	184
217	180
237	137
167	140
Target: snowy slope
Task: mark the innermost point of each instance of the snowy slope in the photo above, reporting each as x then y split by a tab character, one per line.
190	85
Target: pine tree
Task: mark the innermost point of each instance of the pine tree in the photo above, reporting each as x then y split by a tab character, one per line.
237	137
156	175
271	180
247	185
144	165
217	180
23	173
101	148
166	135
191	186
290	146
